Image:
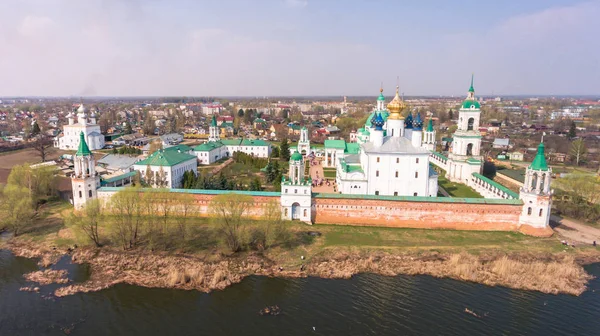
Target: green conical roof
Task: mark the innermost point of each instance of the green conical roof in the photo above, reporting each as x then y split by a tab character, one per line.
539	163
83	149
296	156
430	125
213	122
471	89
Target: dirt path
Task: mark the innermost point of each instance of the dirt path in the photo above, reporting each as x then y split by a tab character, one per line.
571	230
316	173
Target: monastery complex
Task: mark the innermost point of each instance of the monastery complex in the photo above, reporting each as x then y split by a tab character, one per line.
387	178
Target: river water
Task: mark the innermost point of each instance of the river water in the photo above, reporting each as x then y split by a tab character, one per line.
363	305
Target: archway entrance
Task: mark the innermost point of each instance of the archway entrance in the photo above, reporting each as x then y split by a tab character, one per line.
295	211
470	149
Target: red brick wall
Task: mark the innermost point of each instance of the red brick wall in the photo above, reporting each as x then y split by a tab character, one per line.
417	214
203	202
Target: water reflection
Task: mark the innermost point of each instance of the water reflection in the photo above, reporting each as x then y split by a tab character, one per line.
364	305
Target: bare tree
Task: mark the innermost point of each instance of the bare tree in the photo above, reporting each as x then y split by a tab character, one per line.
87	222
187	208
230	211
17	207
578	150
127	207
43	145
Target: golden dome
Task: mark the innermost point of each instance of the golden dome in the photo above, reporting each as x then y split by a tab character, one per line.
396	106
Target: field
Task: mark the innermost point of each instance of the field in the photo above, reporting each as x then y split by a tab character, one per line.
457	189
329	173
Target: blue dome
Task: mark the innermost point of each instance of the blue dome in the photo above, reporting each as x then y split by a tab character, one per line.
418	123
408	122
378	122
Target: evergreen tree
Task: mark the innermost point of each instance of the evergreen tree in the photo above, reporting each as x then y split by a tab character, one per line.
284	150
450	114
255	185
572	131
276	169
240	113
128	129
222	184
277	182
275	152
35	129
270	173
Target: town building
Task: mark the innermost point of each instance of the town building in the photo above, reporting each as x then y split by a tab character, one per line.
70	138
85	180
296	192
536	193
164	168
216	149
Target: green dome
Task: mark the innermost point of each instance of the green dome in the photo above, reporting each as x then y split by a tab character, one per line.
471	104
83	149
296	156
381	97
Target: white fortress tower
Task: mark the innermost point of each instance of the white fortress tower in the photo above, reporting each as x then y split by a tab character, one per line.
213	130
429	137
465	158
304	142
85	181
296	192
536	193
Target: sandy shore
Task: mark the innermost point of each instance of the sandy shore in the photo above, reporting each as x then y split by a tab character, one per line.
547	273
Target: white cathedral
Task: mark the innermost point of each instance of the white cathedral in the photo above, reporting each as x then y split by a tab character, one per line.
71	132
390	158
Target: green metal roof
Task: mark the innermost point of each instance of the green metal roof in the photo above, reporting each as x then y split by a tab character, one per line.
83	149
469	104
539	162
430	125
208	146
352	148
422	199
203	191
471	89
381	96
181	147
473	161
497	185
165	158
439	155
337	144
244	142
118	178
296	156
213	122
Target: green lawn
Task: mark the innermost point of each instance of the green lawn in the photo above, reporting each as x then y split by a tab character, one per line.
457	189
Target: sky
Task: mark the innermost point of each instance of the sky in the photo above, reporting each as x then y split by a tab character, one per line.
298	47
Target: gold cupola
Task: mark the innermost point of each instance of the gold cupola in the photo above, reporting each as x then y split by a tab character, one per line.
395	107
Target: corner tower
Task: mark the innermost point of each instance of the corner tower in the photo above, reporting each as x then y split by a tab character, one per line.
465	158
296	192
85	181
429	137
537	195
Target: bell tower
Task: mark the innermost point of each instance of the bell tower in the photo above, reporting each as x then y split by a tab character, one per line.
465	158
85	181
429	137
536	193
296	192
213	130
304	142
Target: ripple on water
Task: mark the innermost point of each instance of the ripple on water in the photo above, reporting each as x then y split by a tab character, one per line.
364	305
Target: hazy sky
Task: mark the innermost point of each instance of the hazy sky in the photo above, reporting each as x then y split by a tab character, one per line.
298	47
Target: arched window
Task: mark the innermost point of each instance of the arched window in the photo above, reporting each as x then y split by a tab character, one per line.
396	173
416	174
470	149
541	211
80	194
534	179
529	211
304	213
90	193
417	160
378	159
397	160
543	179
377	173
470	124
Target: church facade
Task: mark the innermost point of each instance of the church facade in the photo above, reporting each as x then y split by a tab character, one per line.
70	137
390	157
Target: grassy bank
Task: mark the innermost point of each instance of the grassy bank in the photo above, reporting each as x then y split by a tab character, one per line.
202	261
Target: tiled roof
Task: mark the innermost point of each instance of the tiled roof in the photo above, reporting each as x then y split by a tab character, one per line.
337	144
206	192
208	146
166	158
182	148
497	185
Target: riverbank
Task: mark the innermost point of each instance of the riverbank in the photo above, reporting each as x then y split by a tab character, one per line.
554	273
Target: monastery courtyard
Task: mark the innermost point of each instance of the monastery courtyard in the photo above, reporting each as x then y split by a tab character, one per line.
317	175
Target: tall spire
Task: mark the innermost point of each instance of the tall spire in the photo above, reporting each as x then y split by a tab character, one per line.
430	125
471	89
539	162
83	149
